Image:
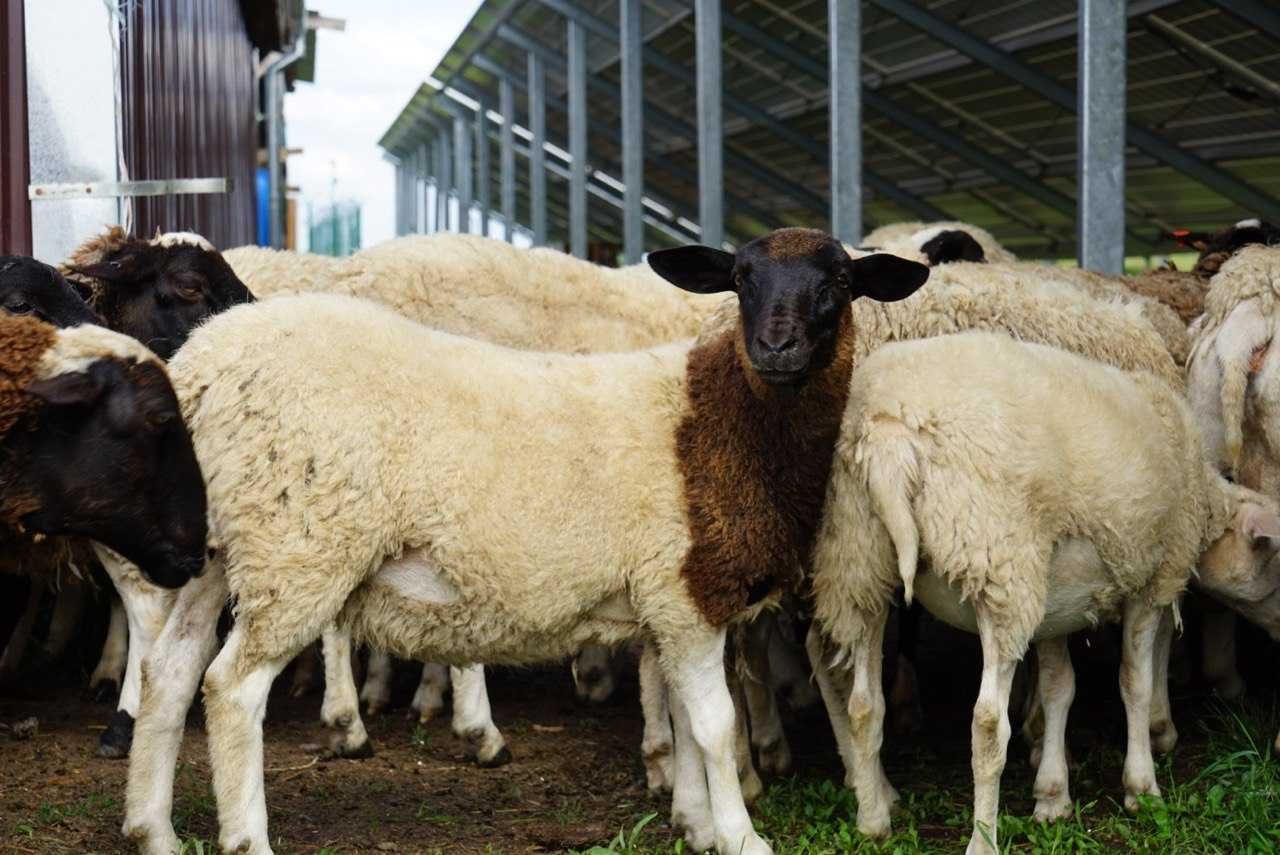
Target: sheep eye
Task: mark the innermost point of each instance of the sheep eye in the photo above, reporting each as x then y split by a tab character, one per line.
20	308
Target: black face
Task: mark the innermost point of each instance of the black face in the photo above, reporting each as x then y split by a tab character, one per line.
159	294
110	459
793	287
952	245
28	287
1231	239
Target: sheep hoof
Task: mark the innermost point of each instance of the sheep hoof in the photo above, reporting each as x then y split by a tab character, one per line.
375	707
752	788
117	739
1053	808
699	840
1164	736
1131	803
875	827
502	758
775	759
338	748
658	771
104	691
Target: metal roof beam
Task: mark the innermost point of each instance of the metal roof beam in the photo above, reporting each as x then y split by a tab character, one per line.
1264	16
918	125
681	174
753	114
665	120
503	16
1218	180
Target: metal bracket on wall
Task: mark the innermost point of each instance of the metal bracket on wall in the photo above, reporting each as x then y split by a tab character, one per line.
116	189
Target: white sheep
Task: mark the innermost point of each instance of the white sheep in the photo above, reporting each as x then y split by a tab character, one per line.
1044	492
448	533
908	239
537	299
1233	382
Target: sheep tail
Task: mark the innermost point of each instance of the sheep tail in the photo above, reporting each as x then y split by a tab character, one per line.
892	466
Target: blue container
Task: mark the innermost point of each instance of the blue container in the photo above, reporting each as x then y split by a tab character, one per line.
262	185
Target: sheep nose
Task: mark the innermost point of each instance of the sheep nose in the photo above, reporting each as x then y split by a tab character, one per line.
777	342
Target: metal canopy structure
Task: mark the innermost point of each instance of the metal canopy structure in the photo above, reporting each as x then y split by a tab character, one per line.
969	111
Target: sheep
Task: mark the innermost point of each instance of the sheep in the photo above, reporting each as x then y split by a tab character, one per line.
913	239
538	299
30	288
86	412
995	462
155	290
429	545
1217	248
1232	385
531	299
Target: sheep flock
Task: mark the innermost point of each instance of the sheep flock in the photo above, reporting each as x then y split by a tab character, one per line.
797	483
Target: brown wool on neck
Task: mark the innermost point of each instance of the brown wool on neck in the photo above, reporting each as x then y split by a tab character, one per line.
23	340
755	460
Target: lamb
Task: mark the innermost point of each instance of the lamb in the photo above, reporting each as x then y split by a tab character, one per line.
431	545
1000	472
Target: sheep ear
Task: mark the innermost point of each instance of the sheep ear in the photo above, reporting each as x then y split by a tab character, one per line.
699	269
74	389
1260	526
886	277
123	267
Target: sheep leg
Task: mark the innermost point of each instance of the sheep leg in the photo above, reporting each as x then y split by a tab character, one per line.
990	734
147	608
767	736
593	678
375	694
835	697
655	746
906	712
1057	687
340	710
695	667
304	672
169	678
235	701
428	700
1164	736
21	635
690	804
473	719
107	677
1219	648
748	778
865	716
1141	625
68	607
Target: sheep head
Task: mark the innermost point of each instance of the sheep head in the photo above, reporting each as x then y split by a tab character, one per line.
158	290
92	445
794	287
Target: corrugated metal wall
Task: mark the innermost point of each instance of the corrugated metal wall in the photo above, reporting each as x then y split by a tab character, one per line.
189	112
15	170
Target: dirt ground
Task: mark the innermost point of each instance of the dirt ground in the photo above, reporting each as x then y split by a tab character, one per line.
575	781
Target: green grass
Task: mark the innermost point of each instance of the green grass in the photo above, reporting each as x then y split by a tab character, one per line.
1220	796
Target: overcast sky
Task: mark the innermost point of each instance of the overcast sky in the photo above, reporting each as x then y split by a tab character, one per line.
364	77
